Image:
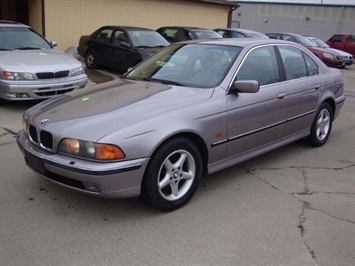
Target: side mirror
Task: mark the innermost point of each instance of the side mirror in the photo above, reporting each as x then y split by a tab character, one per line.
53	43
125	44
245	86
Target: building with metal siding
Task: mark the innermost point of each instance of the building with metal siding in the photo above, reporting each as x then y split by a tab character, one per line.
66	20
306	19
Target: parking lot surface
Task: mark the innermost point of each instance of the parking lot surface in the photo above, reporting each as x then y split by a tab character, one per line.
291	206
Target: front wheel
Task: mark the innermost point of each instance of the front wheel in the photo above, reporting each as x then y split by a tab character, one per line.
321	126
172	175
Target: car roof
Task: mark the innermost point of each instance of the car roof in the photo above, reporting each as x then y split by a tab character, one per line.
243	42
182	27
288	33
125	27
9	23
239	30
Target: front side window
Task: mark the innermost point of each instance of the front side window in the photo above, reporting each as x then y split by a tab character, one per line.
261	65
169	34
336	38
104	36
224	33
288	38
120	38
238	35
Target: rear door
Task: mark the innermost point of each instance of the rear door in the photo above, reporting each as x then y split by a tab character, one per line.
100	46
303	87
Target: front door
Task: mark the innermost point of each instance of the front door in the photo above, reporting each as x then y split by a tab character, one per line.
257	119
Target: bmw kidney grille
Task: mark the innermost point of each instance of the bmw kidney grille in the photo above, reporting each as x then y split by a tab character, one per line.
41	137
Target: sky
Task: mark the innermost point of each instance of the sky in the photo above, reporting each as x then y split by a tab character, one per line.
336	2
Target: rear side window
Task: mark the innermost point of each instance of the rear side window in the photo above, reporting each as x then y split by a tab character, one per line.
296	63
261	65
350	38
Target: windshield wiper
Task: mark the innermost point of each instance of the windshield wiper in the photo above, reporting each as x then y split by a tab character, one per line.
144	46
27	48
163	81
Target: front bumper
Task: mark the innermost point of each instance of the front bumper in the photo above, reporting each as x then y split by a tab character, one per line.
107	180
40	89
349	62
335	63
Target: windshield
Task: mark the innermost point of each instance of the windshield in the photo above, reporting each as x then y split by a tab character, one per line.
193	65
206	34
320	43
147	38
257	35
16	38
306	42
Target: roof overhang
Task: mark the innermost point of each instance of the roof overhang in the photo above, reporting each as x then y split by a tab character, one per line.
216	3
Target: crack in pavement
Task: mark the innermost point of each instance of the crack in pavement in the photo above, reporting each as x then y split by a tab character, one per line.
8	131
305	205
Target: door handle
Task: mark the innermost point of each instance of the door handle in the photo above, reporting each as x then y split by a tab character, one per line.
281	95
317	86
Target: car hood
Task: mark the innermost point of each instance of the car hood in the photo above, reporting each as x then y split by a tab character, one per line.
319	50
97	111
148	51
342	53
36	60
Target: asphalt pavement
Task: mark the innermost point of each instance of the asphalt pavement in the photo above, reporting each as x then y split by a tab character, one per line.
292	206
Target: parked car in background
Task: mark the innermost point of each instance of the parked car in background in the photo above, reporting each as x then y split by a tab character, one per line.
344	42
177	34
330	58
31	69
347	58
239	33
119	47
189	110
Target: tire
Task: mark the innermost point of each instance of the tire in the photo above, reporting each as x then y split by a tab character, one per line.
172	176
90	60
321	126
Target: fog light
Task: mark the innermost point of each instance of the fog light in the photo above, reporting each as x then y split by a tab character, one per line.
92	186
10	95
15	95
22	95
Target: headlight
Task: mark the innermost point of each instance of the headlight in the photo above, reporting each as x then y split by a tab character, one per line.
328	55
18	76
77	71
90	150
24	125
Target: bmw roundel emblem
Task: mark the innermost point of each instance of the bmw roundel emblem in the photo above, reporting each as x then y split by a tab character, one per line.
44	120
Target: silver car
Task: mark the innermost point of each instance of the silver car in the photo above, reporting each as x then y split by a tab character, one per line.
31	69
192	109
